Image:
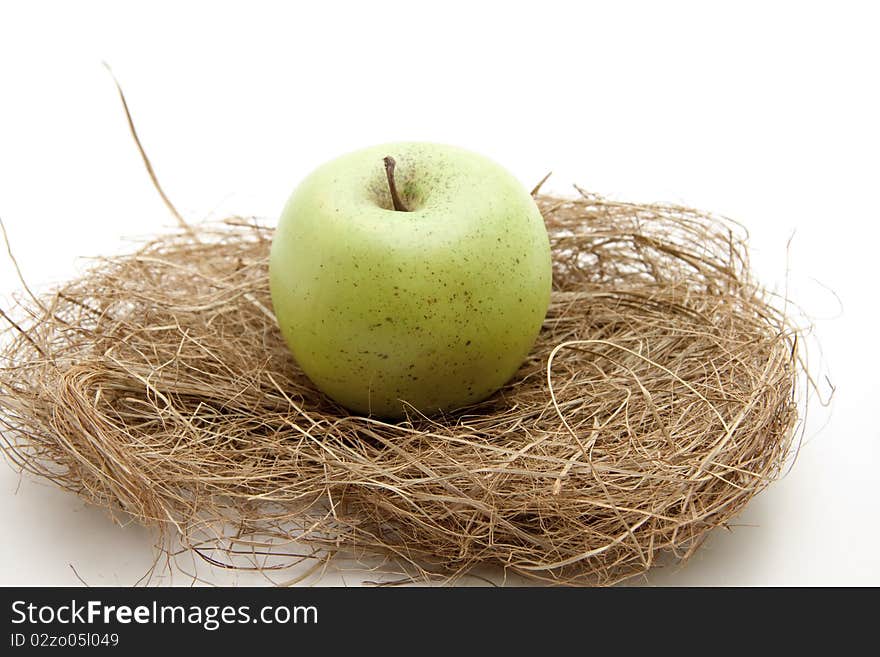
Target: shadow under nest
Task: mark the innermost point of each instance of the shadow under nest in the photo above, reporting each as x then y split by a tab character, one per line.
659	398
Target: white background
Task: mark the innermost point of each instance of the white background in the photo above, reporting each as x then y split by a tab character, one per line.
765	112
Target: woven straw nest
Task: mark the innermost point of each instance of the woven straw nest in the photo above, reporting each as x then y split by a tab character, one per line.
659	399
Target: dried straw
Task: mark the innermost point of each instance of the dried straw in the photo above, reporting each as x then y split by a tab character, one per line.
659	399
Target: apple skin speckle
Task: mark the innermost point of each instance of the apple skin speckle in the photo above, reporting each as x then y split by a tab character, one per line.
438	306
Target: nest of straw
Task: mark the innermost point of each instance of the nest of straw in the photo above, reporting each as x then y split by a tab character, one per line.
658	400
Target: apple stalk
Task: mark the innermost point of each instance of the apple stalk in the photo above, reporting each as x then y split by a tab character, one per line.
389	173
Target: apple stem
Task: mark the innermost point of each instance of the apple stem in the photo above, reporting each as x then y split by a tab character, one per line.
389	173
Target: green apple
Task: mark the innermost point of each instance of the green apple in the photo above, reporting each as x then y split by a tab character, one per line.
410	274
